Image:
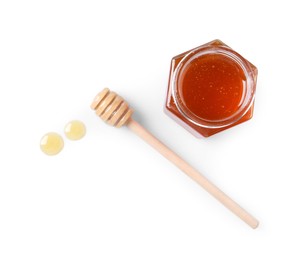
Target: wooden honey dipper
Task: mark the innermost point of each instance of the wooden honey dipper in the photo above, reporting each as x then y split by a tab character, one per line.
115	111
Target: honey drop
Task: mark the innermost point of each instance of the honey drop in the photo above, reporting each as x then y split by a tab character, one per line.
51	143
75	130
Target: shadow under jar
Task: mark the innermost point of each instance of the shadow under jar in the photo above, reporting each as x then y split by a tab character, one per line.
211	88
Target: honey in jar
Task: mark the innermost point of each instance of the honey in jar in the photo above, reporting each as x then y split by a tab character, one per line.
211	88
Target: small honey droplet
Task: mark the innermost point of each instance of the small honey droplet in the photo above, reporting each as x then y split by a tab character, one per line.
51	143
75	130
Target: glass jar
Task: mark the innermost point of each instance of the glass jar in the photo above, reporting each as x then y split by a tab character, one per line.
211	88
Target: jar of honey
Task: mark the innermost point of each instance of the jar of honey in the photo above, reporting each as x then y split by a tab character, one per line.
211	88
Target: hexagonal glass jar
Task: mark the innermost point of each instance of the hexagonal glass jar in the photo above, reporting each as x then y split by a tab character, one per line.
211	88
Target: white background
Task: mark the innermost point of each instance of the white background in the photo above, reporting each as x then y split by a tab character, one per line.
110	196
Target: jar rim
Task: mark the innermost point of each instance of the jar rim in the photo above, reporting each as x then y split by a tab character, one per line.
249	94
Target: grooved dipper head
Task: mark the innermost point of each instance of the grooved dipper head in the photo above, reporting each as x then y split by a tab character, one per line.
112	108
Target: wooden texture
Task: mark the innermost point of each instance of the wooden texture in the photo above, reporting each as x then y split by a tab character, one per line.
115	111
112	108
192	173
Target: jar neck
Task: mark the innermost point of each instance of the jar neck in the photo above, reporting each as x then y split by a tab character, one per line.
248	88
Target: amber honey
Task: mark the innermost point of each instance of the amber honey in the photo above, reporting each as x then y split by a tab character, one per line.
211	88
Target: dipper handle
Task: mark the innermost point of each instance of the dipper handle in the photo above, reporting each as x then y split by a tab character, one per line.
115	111
192	173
